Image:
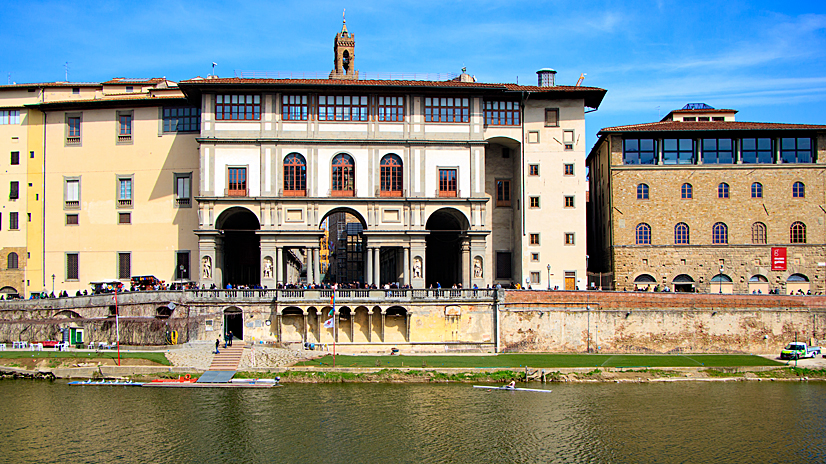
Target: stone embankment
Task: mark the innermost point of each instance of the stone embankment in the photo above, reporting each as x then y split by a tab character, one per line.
198	356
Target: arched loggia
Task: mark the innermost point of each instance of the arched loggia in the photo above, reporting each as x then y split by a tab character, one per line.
241	246
448	228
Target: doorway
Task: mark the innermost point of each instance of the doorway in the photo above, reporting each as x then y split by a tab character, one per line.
234	322
443	263
242	247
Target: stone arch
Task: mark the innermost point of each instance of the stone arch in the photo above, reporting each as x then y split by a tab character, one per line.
797	284
645	282
346	245
163	312
443	253
67	314
292	325
240	263
683	283
345	323
395	324
759	283
234	321
361	319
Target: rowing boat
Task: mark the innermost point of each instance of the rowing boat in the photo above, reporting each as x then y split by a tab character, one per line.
119	383
512	389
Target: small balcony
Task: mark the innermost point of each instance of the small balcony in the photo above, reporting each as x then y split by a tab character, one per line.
125	203
124	139
73	140
71	204
183	202
236	192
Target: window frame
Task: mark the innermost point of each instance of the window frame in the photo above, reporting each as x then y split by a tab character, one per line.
717	151
9	117
723	191
227	111
553	121
643	191
719	233
797	233
72	268
796	151
295	107
534	239
187	263
390	108
124	120
502	113
565	169
642	234
503	192
14	220
682	234
443	109
294	175
391	175
448	182
14	190
756	190
182	201
71	204
686	191
124	199
343	175
187	118
533	202
533	170
341	111
12	261
14	158
759	233
73	128
798	189
570	239
675	156
241	185
124	257
569	201
746	152
124	218
632	154
76	219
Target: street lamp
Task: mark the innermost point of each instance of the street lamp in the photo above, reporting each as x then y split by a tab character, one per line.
181	274
549	277
53	283
721	279
587	279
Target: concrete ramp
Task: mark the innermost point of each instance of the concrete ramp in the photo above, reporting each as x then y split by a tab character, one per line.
216	377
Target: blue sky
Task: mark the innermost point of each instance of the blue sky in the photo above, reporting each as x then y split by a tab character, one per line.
765	59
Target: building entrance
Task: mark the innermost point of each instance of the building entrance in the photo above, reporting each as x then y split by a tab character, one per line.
242	248
447	228
234	322
344	236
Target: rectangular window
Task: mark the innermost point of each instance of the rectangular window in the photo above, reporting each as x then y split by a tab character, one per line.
757	151
13	221
534	202
535	257
533	170
294	108
238	107
124	265
639	151
678	151
72	266
502	113
181	119
446	109
568	169
689	118
796	150
503	265
124	126
448	186
75	90
503	192
72	220
183	185
533	136
124	218
568	139
342	108
73	130
124	192
9	117
569	202
15	157
14	190
237	182
391	109
71	194
535	276
182	265
718	118
534	239
718	151
569	238
551	117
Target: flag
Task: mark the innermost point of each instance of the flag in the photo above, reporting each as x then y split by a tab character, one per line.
331	312
329	323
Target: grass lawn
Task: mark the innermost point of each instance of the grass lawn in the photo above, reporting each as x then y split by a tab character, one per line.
157	357
547	361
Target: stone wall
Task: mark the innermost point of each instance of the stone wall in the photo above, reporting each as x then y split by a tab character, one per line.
637	322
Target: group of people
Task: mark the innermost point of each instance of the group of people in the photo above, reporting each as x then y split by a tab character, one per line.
227	341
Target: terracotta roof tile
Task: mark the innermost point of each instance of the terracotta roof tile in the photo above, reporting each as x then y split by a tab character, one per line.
50	84
704	126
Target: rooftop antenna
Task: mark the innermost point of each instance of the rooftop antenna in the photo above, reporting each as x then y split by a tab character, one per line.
581	78
9	78
66	65
214	64
658	112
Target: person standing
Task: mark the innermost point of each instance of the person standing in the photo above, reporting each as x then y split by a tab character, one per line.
217	342
229	338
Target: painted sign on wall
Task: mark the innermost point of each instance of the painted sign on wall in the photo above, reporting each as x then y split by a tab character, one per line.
779	259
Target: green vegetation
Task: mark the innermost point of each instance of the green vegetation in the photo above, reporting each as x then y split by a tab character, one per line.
384	375
79	356
791	372
723	373
513	361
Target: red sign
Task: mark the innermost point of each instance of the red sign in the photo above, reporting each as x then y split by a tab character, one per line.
778	259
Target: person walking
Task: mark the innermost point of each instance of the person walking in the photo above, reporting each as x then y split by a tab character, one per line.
229	338
217	342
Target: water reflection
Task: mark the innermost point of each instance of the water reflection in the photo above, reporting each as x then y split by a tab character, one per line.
680	422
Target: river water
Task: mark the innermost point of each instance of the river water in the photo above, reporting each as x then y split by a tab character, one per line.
385	423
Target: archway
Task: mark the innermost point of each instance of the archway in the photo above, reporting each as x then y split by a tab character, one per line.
395	326
758	284
721	283
797	284
443	263
292	324
683	283
644	282
234	322
242	247
343	248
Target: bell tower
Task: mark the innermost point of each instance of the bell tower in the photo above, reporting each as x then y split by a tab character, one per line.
344	49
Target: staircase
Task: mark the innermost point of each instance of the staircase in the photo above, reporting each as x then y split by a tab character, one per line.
228	358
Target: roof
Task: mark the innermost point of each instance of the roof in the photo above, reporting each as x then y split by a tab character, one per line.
130	80
707	126
592	95
50	84
120	100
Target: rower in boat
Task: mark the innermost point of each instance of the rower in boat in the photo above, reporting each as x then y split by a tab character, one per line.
511	385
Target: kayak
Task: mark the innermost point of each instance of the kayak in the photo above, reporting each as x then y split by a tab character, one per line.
512	389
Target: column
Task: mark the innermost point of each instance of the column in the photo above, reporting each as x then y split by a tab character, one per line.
316	264
279	265
406	266
369	277
376	266
465	264
308	263
369	325
278	326
304	316
407	324
383	316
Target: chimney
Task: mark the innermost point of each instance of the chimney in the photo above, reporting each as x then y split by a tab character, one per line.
545	77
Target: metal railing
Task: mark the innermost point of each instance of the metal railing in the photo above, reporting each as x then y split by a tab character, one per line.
377	76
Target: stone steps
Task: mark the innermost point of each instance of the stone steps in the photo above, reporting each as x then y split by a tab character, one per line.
228	358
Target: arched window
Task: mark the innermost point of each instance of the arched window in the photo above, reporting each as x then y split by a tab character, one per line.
344	176
642	192
798	190
797	233
757	190
719	234
722	190
295	175
643	234
391	176
681	234
687	192
12	260
758	233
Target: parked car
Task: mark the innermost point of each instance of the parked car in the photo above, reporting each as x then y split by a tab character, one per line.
799	350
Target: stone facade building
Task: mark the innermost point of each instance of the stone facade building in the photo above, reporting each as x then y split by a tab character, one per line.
702	202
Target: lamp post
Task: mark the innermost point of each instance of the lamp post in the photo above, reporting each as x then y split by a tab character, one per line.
587	279
721	279
181	273
52	283
549	277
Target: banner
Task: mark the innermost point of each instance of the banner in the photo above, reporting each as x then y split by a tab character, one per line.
779	259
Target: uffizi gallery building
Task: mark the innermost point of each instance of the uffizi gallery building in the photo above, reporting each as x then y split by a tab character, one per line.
268	180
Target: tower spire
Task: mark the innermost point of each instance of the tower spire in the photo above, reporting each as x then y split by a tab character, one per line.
344	53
